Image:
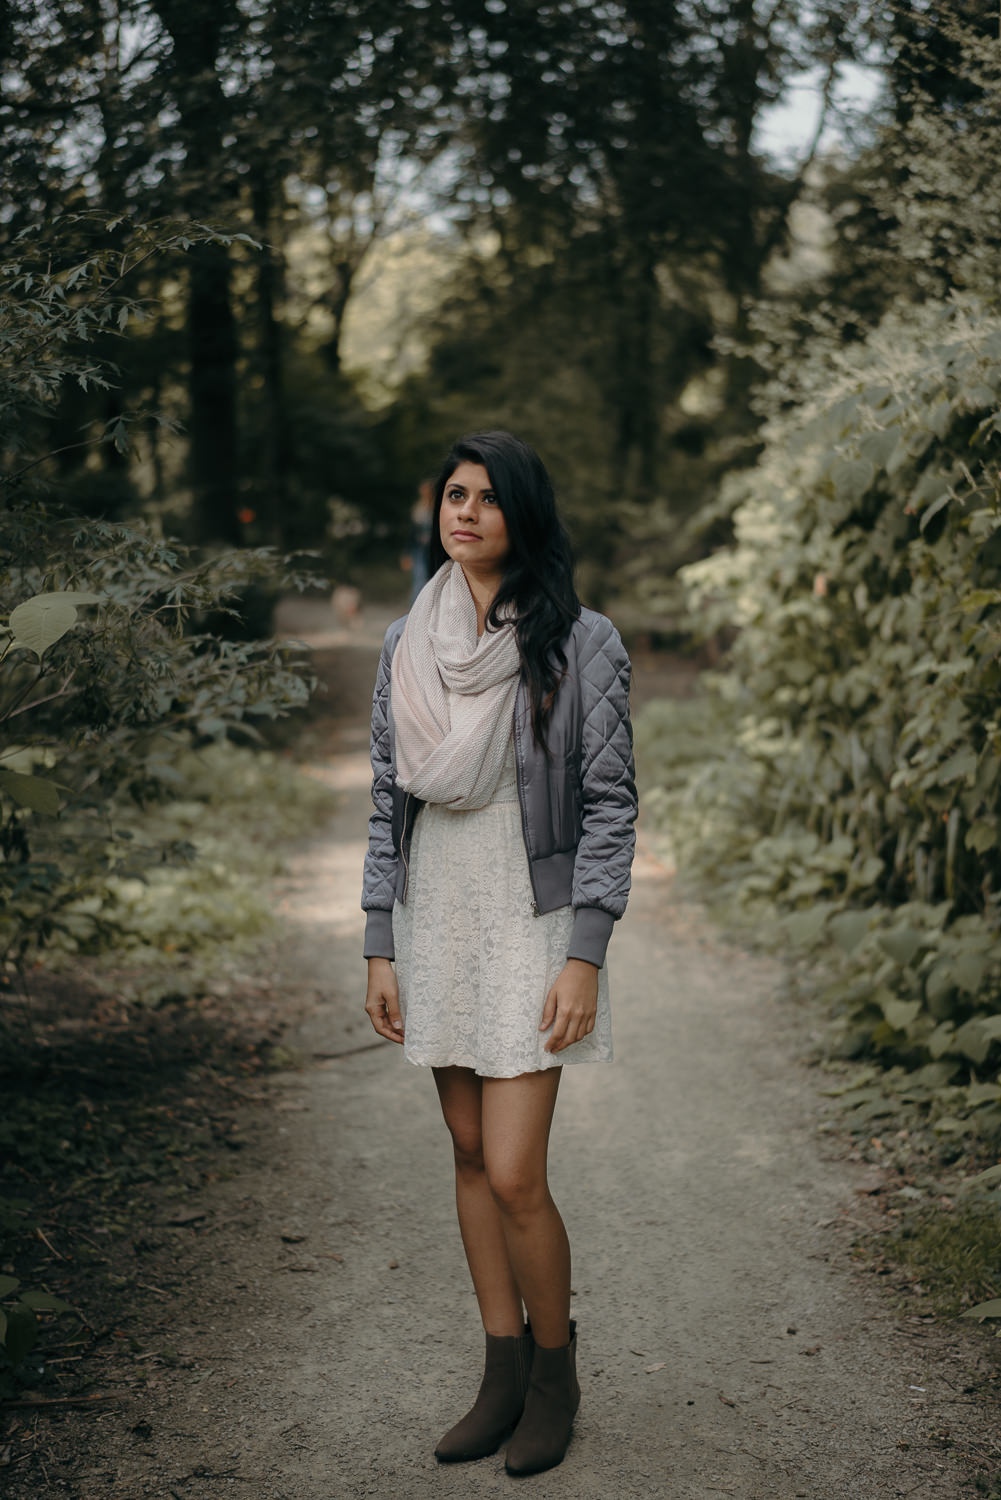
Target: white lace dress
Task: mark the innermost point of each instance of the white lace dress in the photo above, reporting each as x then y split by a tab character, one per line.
473	962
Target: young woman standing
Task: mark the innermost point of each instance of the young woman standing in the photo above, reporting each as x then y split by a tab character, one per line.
499	857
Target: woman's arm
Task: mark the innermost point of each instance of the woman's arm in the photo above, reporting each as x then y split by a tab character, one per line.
608	794
379	881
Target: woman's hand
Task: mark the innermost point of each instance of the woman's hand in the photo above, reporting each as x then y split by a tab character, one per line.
383	1000
571	1005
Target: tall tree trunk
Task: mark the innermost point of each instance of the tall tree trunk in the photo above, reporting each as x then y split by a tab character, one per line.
212	349
271	355
634	383
197	33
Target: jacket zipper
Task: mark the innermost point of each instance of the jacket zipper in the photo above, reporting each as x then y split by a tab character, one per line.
518	766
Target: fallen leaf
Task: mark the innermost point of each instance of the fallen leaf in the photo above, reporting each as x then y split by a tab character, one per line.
292	1239
727	1402
651	1369
188	1216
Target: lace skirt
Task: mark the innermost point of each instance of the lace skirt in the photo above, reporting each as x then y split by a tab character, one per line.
474	963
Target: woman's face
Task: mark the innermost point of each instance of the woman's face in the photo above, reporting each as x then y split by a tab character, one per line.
473	529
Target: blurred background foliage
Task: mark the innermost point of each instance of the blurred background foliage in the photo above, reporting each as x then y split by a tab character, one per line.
264	261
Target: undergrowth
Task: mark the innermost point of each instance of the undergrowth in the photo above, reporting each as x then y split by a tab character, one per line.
169	927
107	1101
953	1252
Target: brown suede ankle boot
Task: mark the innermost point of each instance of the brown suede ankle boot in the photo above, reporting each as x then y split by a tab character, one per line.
541	1437
497	1406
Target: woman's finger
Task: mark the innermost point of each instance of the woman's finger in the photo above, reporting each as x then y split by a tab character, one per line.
550	1010
393	1016
380	1009
556	1040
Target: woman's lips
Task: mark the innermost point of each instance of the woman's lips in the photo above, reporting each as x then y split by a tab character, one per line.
467	536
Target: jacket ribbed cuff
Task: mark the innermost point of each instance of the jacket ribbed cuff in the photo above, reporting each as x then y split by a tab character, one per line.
592	928
379	934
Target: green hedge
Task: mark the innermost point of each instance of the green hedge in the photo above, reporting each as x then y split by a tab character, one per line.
841	777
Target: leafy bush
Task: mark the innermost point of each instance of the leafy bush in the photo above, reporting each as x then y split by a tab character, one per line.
229	812
19	1325
843	774
102	694
108	674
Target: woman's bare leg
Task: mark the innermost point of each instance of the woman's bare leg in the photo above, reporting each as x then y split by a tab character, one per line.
460	1091
516	1114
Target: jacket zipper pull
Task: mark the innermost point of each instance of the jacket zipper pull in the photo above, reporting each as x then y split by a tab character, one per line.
535	909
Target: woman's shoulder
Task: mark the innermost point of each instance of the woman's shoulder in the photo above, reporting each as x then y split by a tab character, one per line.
392	636
592	632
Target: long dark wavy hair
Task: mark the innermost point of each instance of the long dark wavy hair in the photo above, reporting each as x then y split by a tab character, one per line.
538	575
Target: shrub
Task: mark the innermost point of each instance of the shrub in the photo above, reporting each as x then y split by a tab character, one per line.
842	775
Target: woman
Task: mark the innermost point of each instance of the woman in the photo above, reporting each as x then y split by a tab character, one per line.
499	857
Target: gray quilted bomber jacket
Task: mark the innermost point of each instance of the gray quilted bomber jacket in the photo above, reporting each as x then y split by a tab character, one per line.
577	808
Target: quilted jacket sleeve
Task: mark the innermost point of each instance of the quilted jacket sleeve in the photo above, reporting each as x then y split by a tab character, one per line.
608	788
379	883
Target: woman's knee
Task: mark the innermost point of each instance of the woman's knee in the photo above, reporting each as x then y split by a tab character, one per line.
518	1190
467	1144
461	1107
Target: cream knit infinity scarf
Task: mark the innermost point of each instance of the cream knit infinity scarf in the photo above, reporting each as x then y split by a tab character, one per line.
451	750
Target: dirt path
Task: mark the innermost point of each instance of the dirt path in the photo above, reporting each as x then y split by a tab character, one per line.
726	1345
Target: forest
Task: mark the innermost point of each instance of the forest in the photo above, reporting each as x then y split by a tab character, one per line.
261	263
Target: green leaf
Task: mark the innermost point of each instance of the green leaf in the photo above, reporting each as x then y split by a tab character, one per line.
971	1041
879	447
45	618
900	1013
45	1302
20	1334
983	1093
8	1284
982	836
934	508
31	791
963	762
968	969
852	477
941	1040
804	927
901	943
985	1179
991	1309
980	599
848	929
939	982
950	1125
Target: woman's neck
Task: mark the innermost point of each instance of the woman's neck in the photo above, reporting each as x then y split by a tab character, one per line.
483	587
